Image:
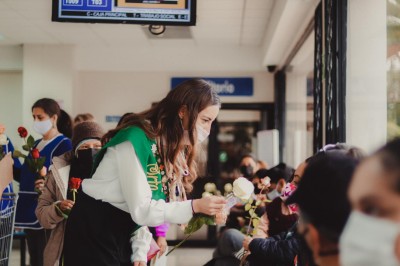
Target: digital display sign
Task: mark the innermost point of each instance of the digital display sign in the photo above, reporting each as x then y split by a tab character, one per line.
154	12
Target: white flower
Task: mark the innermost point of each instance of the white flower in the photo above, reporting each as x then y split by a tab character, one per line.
206	194
266	181
3	139
243	188
228	187
210	187
154	148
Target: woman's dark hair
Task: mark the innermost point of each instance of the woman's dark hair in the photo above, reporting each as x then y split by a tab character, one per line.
64	124
123	117
49	106
162	122
390	158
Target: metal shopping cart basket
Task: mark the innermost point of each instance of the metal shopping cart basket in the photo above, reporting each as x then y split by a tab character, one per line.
8	204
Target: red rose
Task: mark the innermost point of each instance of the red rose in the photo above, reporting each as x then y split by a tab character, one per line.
35	154
23	133
75	183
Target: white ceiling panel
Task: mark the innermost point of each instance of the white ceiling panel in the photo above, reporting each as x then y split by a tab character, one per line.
219	22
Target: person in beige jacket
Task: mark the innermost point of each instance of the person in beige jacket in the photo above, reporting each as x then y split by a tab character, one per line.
56	200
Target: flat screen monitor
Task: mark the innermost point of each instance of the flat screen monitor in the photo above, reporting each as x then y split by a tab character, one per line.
153	12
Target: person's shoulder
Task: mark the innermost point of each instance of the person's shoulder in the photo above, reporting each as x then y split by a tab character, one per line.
64	145
133	131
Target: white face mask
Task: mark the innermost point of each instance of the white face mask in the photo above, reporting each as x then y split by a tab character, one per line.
273	194
42	127
368	241
202	134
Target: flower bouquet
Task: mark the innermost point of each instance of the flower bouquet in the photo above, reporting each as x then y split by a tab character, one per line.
242	191
33	159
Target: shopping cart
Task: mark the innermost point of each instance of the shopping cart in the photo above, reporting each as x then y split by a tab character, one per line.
8	204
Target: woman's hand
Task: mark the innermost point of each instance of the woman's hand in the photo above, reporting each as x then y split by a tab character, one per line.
39	185
66	205
220	217
209	205
162	243
246	242
139	263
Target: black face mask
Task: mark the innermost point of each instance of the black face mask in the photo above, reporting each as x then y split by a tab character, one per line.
246	170
83	163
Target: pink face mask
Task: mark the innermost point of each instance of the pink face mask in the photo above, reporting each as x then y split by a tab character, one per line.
286	192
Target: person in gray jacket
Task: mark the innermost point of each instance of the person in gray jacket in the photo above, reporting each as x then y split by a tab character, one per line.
56	199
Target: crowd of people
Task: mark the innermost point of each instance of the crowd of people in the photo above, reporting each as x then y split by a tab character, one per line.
103	197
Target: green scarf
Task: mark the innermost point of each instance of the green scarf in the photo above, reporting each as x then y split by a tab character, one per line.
145	149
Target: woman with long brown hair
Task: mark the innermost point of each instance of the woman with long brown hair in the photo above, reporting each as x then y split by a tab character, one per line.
141	177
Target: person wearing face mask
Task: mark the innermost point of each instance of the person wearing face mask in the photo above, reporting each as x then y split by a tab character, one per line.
372	234
45	113
278	216
323	204
248	166
232	240
56	199
278	175
140	178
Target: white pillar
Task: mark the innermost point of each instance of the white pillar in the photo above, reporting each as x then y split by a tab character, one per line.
366	103
48	71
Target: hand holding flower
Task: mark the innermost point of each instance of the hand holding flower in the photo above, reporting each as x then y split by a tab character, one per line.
210	205
39	185
66	205
33	159
246	242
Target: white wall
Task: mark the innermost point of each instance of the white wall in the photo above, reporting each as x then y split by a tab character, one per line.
366	103
10	58
115	93
170	58
11	103
296	139
48	71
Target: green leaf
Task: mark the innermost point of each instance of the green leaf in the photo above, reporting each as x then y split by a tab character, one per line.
39	163
255	222
258	202
247	207
25	147
30	141
250	201
194	224
17	154
209	220
251	212
197	222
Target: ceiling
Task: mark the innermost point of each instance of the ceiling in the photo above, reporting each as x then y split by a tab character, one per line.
223	22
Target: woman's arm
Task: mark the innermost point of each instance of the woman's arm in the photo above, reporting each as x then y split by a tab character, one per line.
46	209
137	193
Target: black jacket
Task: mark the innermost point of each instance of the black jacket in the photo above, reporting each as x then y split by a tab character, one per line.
279	250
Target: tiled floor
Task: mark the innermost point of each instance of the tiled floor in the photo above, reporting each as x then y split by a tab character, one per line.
180	257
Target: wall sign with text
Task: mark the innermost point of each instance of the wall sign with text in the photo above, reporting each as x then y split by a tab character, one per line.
224	86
